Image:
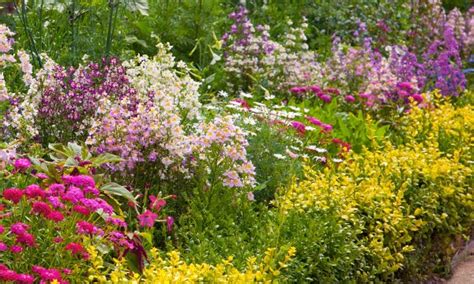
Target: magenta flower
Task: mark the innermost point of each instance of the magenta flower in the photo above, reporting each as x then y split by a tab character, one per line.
327	127
27	239
157	204
299	127
169	223
34	190
314	120
19	228
83	227
349	99
16	249
147	219
41	176
326	98
22	164
418	98
116	222
3	247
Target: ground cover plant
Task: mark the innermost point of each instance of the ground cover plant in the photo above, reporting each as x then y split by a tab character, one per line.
234	141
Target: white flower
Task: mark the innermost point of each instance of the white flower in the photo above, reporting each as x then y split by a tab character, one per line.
314	148
223	94
279	156
246	95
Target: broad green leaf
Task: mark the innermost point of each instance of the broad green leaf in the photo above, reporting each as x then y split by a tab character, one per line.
117	189
105	158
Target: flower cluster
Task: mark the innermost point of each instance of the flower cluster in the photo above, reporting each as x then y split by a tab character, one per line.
60	220
443	65
61	102
231	143
148	127
251	55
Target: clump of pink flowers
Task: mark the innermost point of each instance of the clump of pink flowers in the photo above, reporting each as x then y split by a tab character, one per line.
60	216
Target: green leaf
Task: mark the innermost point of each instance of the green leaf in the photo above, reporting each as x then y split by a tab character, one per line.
117	189
147	237
105	158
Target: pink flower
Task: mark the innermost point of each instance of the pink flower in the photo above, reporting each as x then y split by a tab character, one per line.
55	216
13	194
41	175
314	120
117	222
25	279
34	190
57	189
3	246
147	219
326	98
55	202
299	127
243	103
58	240
22	164
156	204
2	229
83	227
349	99
19	228
80	180
169	223
47	274
250	196
418	98
8	275
327	127
16	249
27	239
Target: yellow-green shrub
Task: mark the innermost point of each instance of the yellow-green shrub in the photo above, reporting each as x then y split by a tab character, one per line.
398	197
443	123
174	270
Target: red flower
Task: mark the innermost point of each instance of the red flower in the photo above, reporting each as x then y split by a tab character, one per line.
75	248
81	210
13	194
41	208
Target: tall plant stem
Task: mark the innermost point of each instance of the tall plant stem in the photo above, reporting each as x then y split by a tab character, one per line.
29	34
112	8
73	30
